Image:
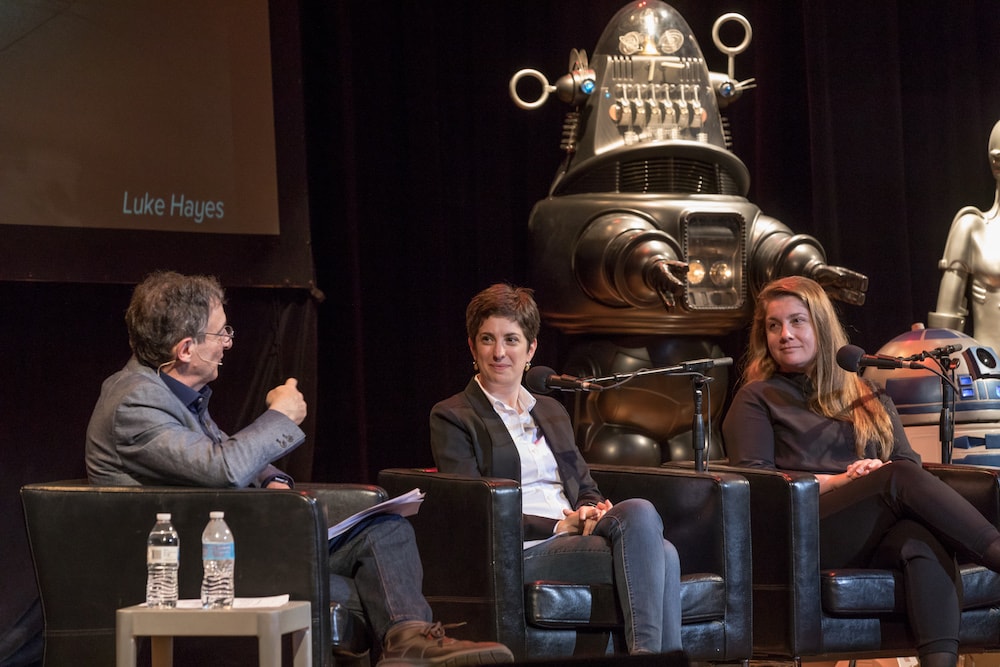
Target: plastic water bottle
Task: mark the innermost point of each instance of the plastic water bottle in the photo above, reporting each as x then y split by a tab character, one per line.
163	550
218	558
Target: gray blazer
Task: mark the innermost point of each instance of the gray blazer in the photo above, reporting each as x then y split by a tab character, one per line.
469	438
140	433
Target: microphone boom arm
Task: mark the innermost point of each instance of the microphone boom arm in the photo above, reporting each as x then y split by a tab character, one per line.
694	367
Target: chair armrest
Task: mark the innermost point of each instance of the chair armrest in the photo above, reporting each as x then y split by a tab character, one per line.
340	501
470	540
977	484
784	516
706	516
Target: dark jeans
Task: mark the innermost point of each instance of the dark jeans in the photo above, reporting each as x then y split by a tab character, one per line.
628	549
904	518
383	561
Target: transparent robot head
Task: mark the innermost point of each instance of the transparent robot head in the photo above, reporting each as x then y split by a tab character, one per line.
652	82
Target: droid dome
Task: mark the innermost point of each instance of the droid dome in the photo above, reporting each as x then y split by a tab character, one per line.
917	393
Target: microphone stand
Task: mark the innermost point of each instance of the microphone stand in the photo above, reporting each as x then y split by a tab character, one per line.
698	443
946	428
946	421
696	370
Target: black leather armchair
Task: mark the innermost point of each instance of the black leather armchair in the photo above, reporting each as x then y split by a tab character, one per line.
803	612
470	540
88	545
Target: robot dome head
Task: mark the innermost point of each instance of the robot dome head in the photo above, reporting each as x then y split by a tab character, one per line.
648	28
649	119
652	83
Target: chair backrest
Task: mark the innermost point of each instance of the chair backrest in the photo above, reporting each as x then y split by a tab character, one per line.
88	546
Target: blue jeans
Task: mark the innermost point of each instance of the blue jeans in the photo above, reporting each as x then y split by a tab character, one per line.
627	548
382	560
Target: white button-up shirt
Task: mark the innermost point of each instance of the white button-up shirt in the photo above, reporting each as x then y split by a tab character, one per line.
542	491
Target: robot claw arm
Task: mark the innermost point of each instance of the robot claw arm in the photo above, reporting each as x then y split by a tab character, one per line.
776	252
669	278
840	283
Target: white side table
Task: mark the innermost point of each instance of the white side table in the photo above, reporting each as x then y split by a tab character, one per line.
268	624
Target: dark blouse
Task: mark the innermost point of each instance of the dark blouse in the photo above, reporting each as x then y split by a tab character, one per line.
769	425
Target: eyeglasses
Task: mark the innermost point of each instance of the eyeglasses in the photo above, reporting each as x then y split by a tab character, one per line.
227	332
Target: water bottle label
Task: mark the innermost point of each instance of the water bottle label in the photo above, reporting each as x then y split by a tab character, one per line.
160	554
218	551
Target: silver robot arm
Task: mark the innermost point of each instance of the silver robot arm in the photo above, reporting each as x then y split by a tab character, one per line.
952	306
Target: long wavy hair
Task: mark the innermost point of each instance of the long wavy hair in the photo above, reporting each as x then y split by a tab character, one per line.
839	395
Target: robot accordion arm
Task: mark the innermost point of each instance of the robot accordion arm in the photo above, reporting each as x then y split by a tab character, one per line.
776	252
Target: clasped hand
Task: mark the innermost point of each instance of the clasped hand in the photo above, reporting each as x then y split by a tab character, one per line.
856	469
583	520
862	467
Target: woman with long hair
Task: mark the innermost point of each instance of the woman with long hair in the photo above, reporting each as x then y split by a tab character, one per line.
797	410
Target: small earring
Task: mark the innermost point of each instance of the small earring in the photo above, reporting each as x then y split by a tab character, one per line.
527	366
475	365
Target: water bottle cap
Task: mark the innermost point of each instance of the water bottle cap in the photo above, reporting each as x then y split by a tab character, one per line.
216	515
163	516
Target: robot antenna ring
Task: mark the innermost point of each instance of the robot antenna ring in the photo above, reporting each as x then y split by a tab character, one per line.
547	89
732	51
747	34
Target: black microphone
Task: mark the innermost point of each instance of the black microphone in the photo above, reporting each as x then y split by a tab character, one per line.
701	365
542	380
852	358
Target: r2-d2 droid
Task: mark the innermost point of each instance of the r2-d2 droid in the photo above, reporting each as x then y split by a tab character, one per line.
646	248
936	413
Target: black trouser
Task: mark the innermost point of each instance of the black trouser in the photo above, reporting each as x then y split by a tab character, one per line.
904	518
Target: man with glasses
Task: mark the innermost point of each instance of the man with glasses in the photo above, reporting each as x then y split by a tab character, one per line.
151	427
151	424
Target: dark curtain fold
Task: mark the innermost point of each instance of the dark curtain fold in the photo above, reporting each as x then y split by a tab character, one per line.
281	334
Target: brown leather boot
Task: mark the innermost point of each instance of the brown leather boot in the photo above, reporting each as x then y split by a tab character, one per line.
419	643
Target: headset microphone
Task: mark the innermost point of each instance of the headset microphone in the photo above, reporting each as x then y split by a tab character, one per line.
217	363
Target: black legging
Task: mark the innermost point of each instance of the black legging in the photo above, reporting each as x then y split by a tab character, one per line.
904	518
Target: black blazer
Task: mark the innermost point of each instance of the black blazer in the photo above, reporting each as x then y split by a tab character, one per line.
469	438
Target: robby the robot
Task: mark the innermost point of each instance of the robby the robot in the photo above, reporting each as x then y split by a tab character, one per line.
646	250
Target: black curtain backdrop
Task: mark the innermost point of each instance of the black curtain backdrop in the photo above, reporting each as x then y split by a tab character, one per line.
868	130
